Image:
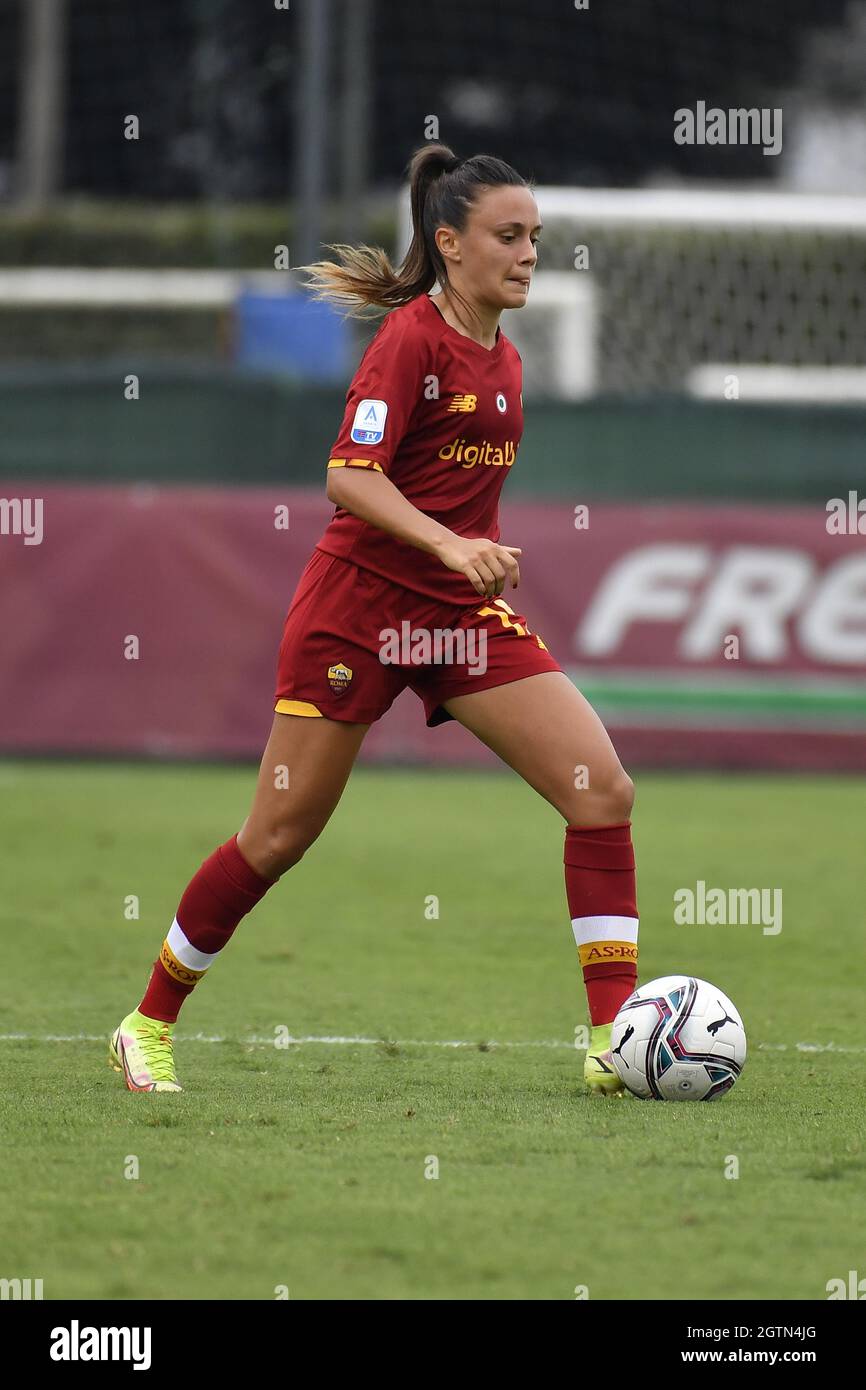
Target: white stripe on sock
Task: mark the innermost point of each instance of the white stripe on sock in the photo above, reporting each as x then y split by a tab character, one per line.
587	929
185	952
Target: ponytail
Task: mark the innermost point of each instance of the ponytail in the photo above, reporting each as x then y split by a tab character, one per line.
442	189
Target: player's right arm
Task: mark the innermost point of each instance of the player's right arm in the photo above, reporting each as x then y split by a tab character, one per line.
391	379
372	496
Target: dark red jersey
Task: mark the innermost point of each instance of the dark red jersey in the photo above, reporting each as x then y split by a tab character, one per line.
443	417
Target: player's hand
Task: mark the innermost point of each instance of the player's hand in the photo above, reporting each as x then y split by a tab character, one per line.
486	564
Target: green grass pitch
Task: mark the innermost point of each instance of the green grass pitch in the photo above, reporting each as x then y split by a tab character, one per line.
304	1167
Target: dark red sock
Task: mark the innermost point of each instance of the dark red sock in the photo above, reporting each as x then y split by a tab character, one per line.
600	888
223	891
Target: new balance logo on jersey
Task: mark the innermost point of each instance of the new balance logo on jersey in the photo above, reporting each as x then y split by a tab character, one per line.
369	424
464	403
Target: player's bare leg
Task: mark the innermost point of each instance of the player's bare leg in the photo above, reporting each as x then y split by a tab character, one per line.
304	768
545	729
548	732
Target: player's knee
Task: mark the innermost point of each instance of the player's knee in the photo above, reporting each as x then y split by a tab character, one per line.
287	843
620	796
606	800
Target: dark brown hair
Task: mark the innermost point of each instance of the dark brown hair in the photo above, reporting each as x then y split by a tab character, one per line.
442	191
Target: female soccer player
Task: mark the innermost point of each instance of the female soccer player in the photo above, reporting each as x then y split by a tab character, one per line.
433	419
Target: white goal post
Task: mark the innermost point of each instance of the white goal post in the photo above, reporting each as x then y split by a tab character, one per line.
681	289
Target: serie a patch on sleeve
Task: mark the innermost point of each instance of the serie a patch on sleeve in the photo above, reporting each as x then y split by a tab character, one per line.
369	423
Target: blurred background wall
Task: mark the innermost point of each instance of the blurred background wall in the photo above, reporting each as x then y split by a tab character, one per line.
689	483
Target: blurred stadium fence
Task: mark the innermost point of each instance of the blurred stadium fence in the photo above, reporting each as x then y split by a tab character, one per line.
694	368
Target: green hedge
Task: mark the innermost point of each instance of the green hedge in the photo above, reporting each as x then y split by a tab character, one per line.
194	235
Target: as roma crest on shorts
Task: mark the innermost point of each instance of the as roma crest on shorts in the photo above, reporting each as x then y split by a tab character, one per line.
339	677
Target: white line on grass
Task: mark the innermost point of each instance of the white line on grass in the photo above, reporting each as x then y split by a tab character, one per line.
333	1041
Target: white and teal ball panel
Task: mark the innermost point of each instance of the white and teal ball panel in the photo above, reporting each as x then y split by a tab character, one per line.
678	1038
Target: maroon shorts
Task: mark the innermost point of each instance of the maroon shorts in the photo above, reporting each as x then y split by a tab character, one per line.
353	640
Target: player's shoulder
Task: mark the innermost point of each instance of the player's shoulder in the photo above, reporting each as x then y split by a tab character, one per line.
411	323
403	340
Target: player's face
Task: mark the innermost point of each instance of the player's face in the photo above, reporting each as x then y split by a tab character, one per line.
497	247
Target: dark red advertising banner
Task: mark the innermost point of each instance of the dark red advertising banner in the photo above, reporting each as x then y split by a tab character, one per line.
142	620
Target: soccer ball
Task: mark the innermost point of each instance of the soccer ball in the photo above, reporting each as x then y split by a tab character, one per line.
678	1038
